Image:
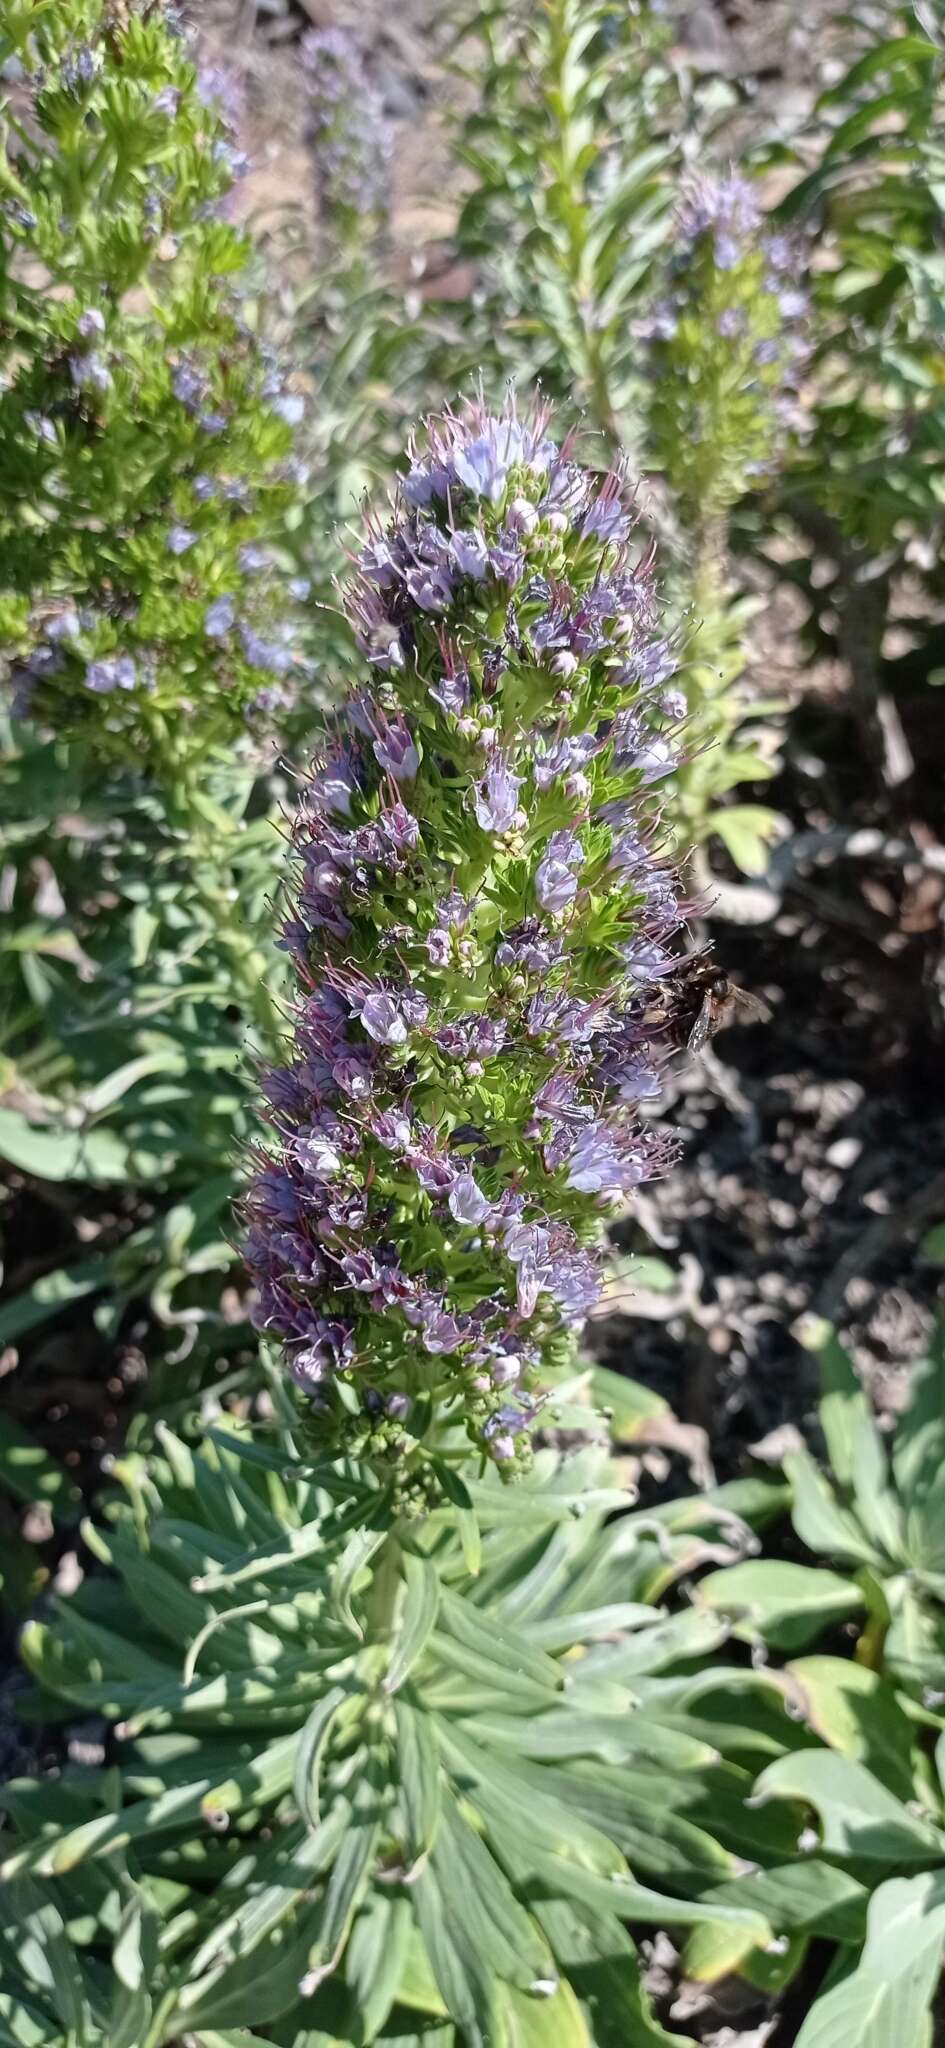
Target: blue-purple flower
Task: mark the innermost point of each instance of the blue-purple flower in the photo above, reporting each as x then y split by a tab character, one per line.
495	799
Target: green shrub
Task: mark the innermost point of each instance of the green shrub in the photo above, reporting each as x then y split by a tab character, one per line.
146	470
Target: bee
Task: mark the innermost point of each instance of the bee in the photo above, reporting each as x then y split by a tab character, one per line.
708	1002
700	999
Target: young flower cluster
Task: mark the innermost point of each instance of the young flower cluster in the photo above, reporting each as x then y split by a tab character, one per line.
727	346
348	130
148	467
482	935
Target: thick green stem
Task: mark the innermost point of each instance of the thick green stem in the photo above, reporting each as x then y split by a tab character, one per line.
382	1599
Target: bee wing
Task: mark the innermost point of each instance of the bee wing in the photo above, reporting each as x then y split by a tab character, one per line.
751	1009
702	1029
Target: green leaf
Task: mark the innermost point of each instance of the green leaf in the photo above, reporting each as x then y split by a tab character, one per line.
925	1536
883	56
784	1604
486	1638
45	1956
415	1620
747	831
627	1402
312	1742
356	1556
22	2024
470	1537
28	1471
809	1897
561	1878
557	1632
376	1957
675	1637
98	1156
265	1559
128	1950
481	1908
914	1649
134	1962
418	1766
255	1783
281	1881
857	1711
49	1294
819	1519
601	1964
859	1818
555	2022
257	1987
714	1951
467	1988
888	1997
116	1084
918	1453
417	1987
524	1818
570	1732
348	1881
845	1413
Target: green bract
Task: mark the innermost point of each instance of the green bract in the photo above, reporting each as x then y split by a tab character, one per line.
146	469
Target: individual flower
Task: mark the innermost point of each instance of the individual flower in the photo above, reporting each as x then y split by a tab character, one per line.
496	797
483	933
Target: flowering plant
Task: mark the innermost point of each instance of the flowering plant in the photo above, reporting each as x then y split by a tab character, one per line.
481	938
349	136
146	434
667	311
727	350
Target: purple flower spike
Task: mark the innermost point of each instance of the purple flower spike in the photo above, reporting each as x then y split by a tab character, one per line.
725	342
475	1023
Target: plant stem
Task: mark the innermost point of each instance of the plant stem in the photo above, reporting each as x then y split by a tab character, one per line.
162	2012
382	1599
